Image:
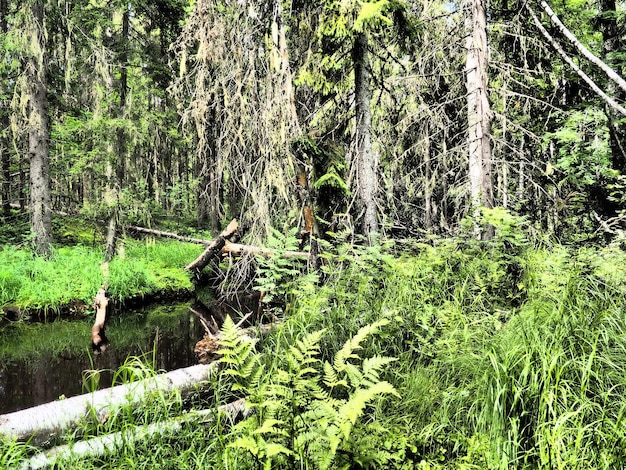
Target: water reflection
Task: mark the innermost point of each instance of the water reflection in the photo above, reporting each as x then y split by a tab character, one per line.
166	335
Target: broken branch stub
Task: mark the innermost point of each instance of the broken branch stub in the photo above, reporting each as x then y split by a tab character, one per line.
99	340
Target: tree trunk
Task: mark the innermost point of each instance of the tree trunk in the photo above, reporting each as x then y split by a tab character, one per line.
115	182
557	47
365	160
5	155
478	112
110	443
212	250
39	135
40	422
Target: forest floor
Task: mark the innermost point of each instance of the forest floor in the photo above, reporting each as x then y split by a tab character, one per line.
437	354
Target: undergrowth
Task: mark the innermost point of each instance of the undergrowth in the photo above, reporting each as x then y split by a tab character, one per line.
73	274
444	354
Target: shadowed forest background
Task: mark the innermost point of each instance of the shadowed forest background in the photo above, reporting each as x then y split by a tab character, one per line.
388	117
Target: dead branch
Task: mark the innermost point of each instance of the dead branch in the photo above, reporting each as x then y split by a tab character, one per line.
238	249
212	250
175	236
99	341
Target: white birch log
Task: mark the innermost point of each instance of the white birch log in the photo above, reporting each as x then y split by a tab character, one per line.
51	419
101	445
239	249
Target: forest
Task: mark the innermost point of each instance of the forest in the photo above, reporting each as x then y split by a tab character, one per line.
425	199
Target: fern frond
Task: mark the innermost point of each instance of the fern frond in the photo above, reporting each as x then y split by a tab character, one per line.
269	427
273	449
353	408
331	379
372	366
353	372
246	443
354	344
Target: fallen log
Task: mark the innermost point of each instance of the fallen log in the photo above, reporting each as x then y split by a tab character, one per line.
43	422
109	443
212	250
160	233
239	249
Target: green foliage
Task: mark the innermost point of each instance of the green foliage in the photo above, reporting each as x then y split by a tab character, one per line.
74	274
305	413
12	453
506	356
584	155
275	273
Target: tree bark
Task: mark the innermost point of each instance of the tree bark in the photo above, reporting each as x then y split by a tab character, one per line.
160	233
43	421
238	249
613	45
212	250
115	183
5	155
365	160
478	112
39	134
108	443
614	76
607	99
99	341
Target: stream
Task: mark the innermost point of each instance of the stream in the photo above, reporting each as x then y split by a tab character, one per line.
43	362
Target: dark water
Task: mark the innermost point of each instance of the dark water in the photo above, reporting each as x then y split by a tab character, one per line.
163	335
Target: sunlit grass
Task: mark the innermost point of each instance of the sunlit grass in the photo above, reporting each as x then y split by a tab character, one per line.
508	357
74	274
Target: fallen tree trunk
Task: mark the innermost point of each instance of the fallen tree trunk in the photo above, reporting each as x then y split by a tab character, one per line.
160	233
101	445
45	421
238	249
212	250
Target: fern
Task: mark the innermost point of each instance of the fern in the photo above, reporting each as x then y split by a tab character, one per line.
238	357
306	410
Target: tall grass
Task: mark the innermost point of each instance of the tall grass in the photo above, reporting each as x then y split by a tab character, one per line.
509	356
74	274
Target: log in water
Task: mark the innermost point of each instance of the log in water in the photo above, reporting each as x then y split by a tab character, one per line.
42	371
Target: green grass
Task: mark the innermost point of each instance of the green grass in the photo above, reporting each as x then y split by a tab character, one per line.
73	273
509	356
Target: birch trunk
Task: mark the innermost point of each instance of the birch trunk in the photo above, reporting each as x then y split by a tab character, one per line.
612	43
52	419
607	99
109	443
